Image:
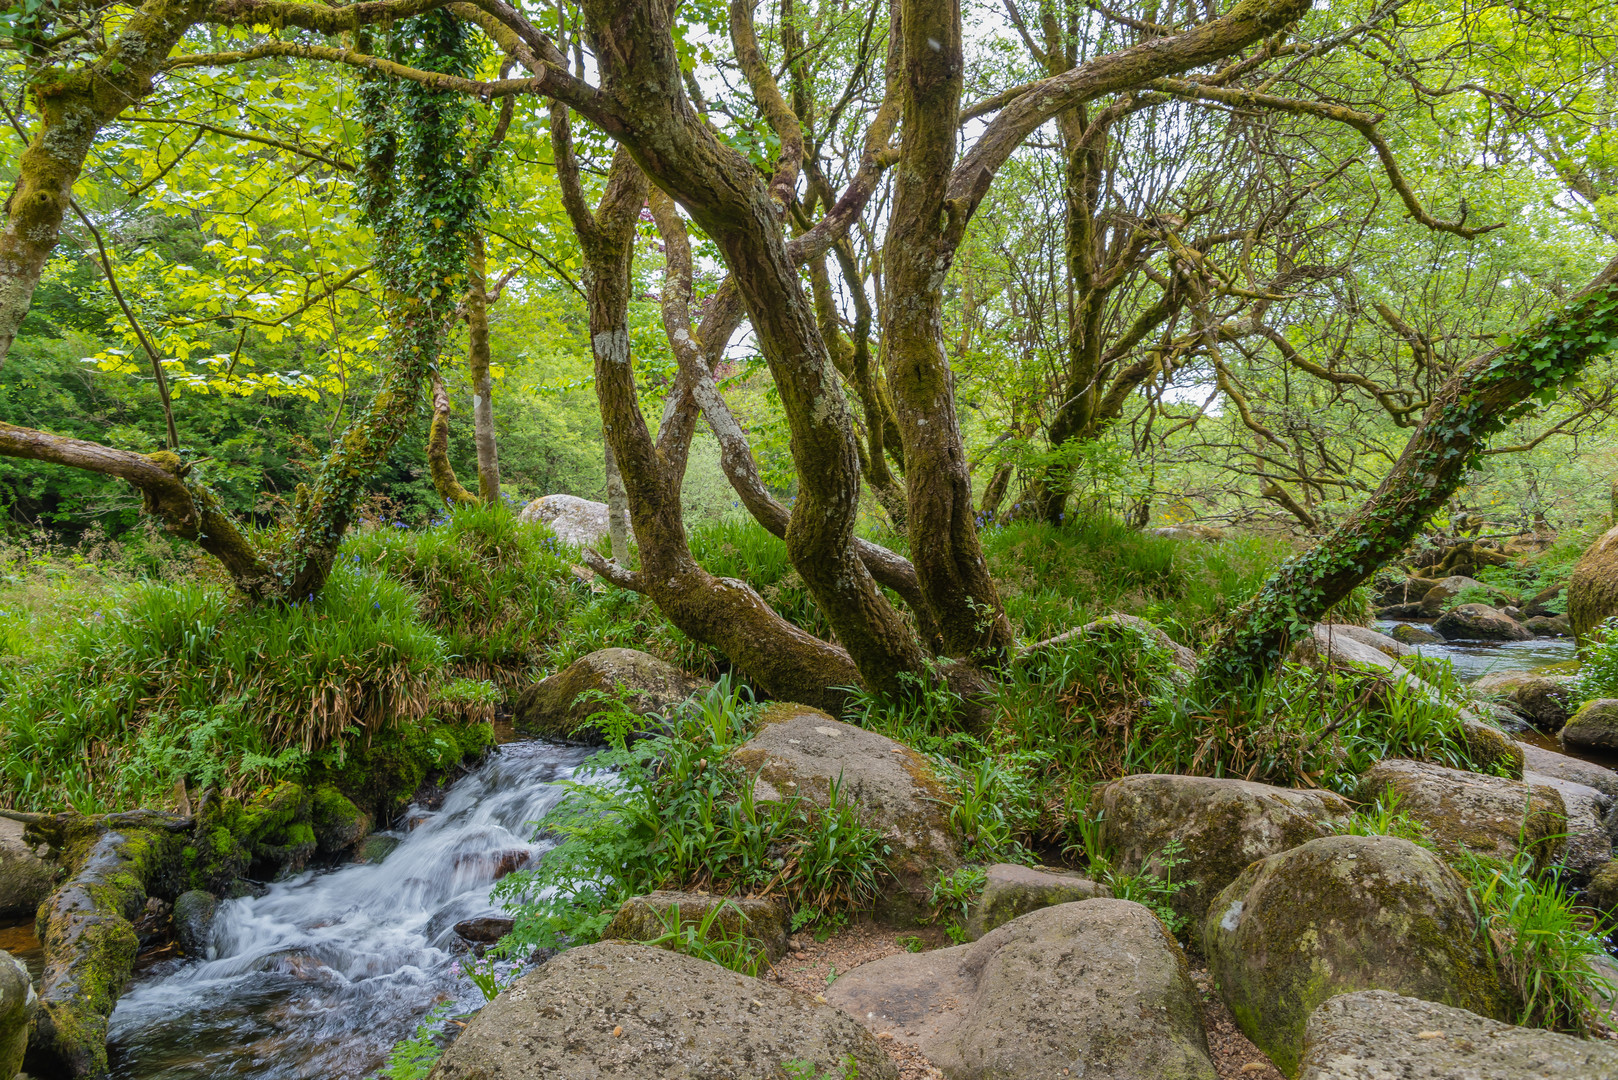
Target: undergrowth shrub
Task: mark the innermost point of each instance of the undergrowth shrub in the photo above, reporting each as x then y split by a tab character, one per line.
1598	662
673	811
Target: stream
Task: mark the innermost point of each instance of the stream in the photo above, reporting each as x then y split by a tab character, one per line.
324	972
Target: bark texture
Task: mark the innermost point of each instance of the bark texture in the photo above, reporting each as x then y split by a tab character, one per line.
1476	404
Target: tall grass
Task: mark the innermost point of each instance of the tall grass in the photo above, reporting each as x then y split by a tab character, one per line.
140	684
494	589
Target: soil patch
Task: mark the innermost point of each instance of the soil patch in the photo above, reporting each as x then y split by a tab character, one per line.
811	966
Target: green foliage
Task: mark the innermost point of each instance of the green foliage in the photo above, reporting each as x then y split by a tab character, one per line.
678	813
494	589
1055	578
1152	889
1384	817
953	896
413	1058
708	939
1552	953
1598	662
799	1069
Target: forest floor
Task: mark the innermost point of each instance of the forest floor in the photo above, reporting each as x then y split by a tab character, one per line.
812	965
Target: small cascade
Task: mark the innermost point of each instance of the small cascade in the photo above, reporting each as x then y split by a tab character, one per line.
324	972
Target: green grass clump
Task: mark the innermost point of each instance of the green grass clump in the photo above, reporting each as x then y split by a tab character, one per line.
116	689
495	590
1598	662
1552	952
677	813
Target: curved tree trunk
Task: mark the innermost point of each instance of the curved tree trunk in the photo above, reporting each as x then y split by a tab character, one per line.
1477	403
724	194
445	481
74	107
784	660
478	360
944	547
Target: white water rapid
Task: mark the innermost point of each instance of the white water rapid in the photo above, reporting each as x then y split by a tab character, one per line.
323	973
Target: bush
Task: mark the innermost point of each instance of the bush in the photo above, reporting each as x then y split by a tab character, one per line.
1598	662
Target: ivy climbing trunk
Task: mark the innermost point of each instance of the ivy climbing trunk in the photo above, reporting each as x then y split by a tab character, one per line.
479	359
1478	403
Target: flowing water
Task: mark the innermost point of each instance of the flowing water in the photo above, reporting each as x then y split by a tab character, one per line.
322	974
1474	659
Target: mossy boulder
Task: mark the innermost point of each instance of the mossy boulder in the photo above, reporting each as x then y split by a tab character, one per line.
630	1011
18	1003
1602	891
802	751
1220	825
1377	1035
338	824
25	877
1490	815
1011	891
383	773
1480	622
90	941
553	707
643	918
1340	914
1095	989
194	912
1437	598
1592	590
1546	700
1586	847
1412	634
1593	727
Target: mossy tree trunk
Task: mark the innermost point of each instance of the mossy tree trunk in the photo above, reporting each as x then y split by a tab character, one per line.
1479	402
478	361
784	660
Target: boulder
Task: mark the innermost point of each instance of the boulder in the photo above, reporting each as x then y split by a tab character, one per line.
1404	590
1188	531
18	1004
643	918
1413	610
1340	914
1546	700
1436	598
1378	1035
1602	891
1382	643
1486	814
194	913
802	751
1329	643
1543	602
1414	634
1588	847
572	519
630	1012
1095	989
337	822
1592	591
1221	825
1563	767
551	707
483	930
1010	891
1593	727
25	878
1480	622
1549	626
